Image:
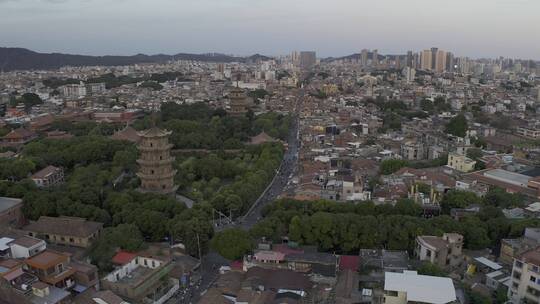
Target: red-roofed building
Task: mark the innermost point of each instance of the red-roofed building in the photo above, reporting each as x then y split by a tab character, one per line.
237	265
349	262
286	249
123	258
269	256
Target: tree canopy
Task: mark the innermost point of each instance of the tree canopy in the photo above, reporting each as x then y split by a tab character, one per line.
457	126
232	243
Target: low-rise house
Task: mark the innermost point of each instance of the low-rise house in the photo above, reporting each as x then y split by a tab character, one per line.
512	182
53	268
511	248
380	261
43	293
410	287
63	230
445	251
92	296
141	279
533	210
5	251
48	177
11	212
127	134
317	263
305	260
277	280
497	280
460	162
18	137
26	246
86	276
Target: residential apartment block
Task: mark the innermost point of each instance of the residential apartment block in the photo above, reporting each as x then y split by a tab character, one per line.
442	251
525	286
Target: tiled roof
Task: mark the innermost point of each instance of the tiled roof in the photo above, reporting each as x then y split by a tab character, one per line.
123	257
45	172
71	226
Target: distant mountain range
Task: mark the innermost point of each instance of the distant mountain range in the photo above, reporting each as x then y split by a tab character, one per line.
24	59
358	56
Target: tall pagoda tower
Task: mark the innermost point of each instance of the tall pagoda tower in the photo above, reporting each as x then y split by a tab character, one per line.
156	170
239	103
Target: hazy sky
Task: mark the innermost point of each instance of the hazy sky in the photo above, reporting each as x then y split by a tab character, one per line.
476	28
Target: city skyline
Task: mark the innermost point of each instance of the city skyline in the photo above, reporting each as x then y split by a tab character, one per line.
484	29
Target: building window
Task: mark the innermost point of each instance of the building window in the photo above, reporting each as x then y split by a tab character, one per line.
152	171
532	279
71	240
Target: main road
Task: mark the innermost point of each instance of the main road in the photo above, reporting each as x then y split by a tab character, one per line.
280	181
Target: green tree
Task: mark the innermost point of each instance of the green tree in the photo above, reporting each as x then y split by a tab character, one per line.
457	126
458	199
474	153
408	207
232	243
126	237
498	197
392	165
477	298
30	99
427	105
501	296
431	269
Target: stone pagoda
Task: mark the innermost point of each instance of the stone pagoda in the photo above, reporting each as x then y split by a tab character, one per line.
238	102
156	170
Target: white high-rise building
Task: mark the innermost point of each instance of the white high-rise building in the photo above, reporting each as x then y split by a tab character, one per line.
364	57
425	60
74	90
440	61
409	74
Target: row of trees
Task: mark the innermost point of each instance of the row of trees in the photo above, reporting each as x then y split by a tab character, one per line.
345	228
230	182
197	126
